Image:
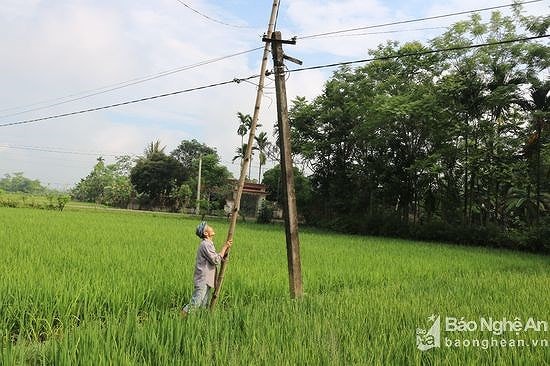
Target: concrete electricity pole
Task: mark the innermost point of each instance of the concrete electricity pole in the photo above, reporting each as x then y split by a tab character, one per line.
197	210
287	173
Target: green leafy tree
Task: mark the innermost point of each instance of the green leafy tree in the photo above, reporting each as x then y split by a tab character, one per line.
539	107
188	153
90	188
183	194
265	215
155	175
215	177
19	183
107	184
118	192
302	188
215	181
450	137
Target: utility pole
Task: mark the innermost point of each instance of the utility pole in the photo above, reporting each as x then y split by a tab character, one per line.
197	210
244	167
287	173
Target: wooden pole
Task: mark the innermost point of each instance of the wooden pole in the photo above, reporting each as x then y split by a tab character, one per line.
237	203
287	173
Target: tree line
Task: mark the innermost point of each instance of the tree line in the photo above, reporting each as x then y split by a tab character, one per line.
17	182
158	179
443	146
16	190
448	146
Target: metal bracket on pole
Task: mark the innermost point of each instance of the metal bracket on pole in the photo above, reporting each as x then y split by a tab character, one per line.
283	41
292	59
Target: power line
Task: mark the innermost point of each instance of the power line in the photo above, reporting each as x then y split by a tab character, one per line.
123	84
113	87
50	162
320	35
239	80
88	153
210	18
61	151
130	102
381	32
427	52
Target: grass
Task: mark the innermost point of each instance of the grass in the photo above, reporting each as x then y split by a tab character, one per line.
101	287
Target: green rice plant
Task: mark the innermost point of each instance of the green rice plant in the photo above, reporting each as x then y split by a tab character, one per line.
85	286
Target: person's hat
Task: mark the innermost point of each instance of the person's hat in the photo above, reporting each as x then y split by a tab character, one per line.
200	229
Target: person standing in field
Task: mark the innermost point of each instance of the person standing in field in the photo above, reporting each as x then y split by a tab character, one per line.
205	267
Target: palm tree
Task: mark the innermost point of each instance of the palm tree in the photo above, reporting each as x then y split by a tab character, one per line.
262	144
153	148
245	126
245	123
241	154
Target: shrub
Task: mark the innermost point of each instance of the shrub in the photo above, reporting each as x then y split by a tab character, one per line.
266	213
537	238
62	200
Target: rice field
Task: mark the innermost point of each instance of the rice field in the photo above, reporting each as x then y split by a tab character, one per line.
92	287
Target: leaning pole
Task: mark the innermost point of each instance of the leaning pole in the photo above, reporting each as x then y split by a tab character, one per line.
244	167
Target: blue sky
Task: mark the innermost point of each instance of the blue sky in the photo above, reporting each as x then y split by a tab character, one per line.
54	48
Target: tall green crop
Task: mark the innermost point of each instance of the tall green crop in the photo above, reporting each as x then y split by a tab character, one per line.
102	288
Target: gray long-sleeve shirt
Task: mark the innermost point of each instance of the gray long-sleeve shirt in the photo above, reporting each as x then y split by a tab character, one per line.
205	268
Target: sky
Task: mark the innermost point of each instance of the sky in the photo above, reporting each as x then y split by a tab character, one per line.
55	51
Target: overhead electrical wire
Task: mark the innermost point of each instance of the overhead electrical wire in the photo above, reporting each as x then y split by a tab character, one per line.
239	80
421	53
80	152
124	84
332	34
130	101
321	35
60	151
338	33
382	32
85	153
211	18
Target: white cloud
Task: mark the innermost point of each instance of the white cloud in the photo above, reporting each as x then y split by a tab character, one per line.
334	14
17	9
51	49
337	15
60	48
309	17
